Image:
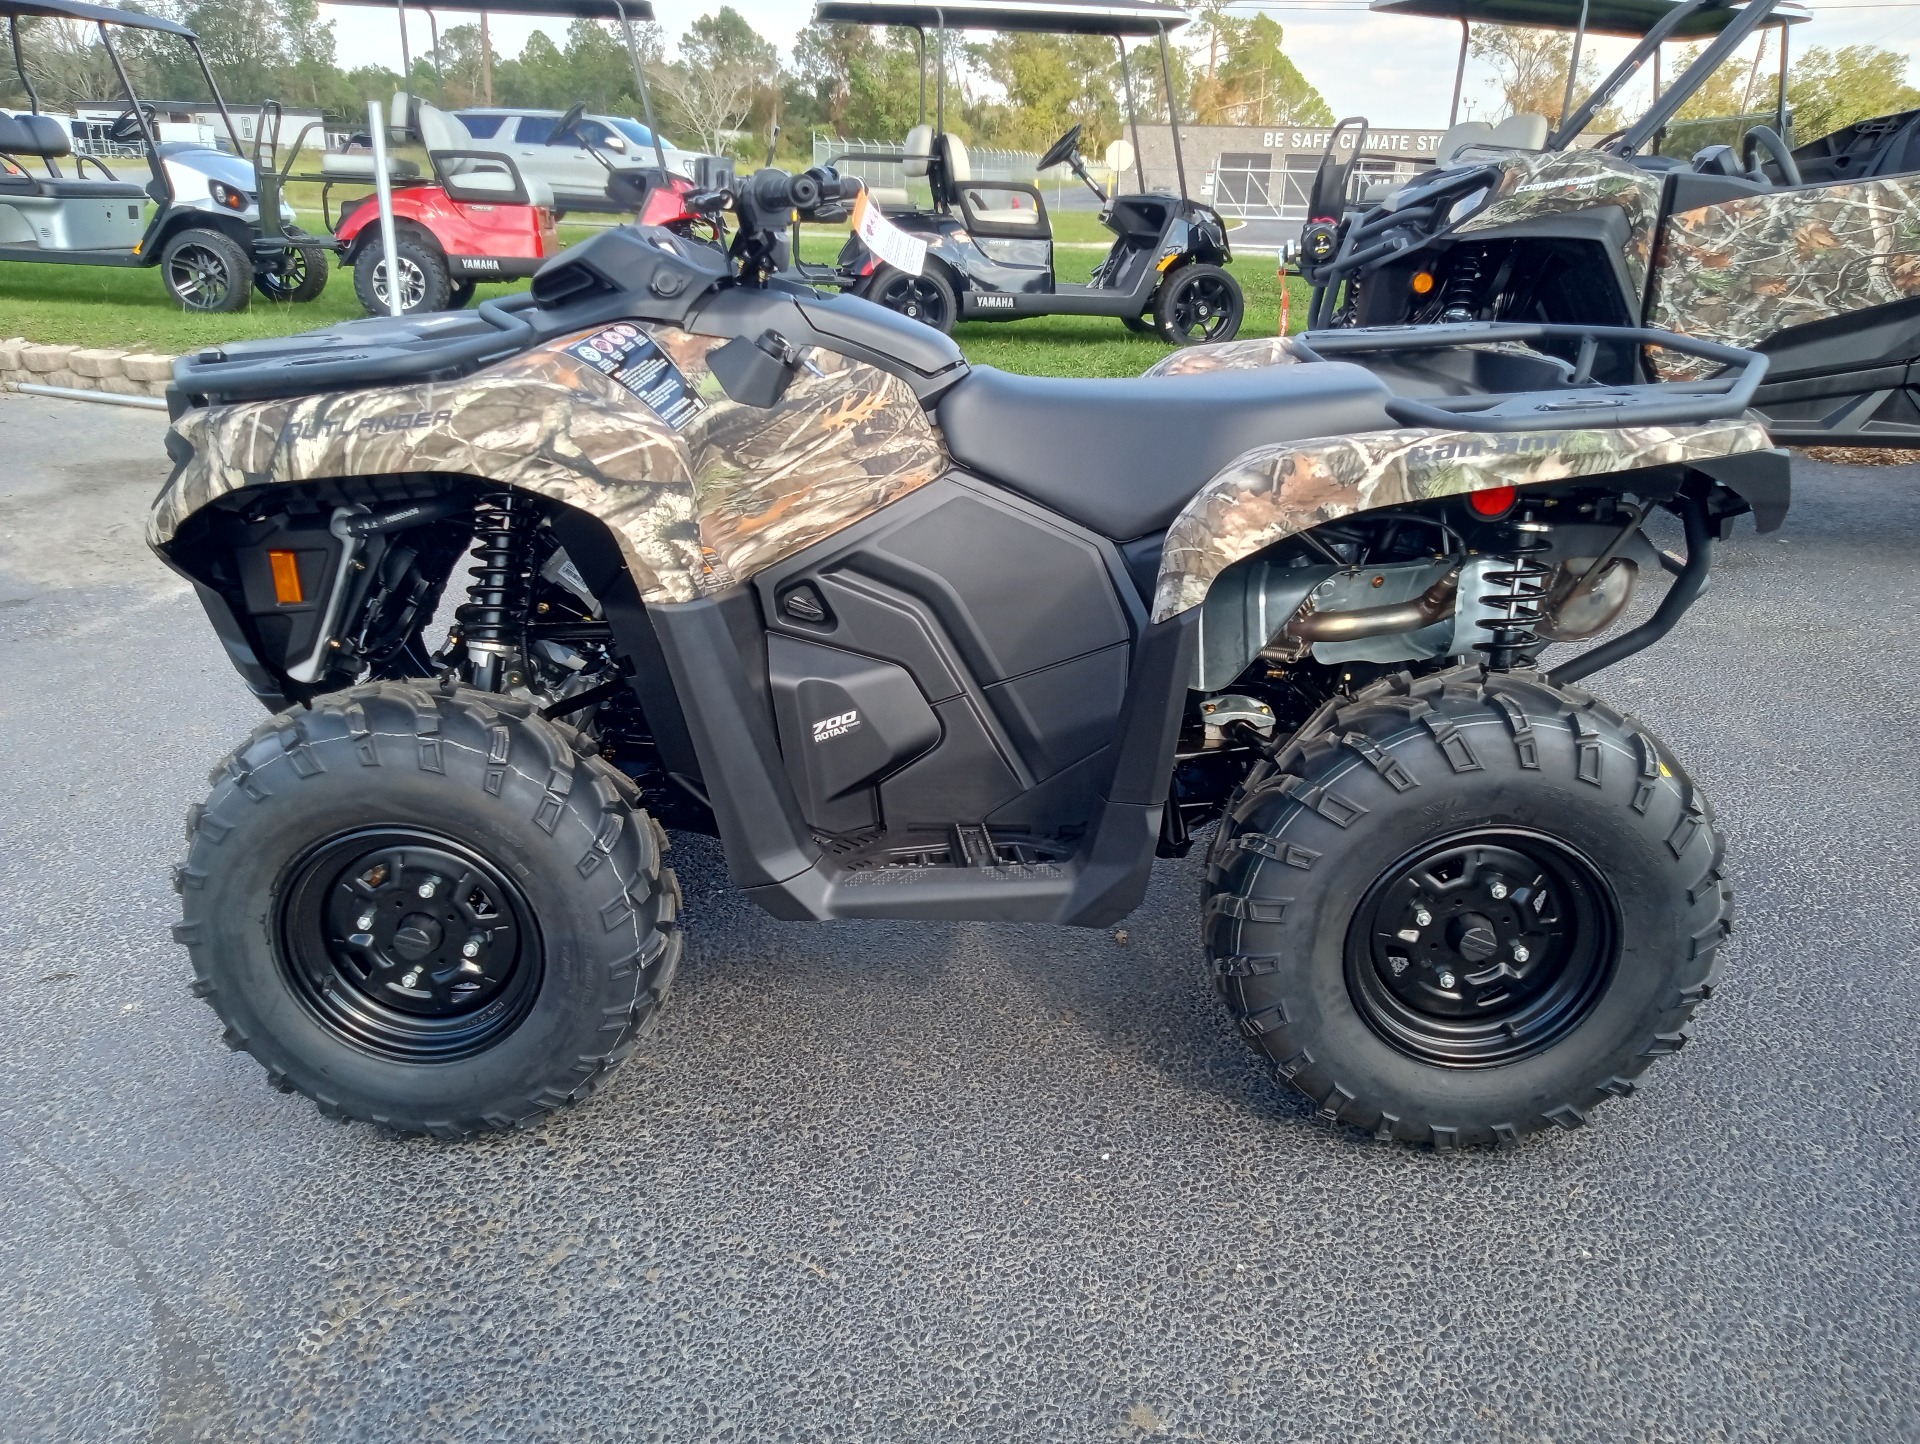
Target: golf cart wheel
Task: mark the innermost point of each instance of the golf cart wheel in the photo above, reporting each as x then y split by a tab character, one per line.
425	283
927	298
207	270
1140	325
460	296
300	275
1460	909
1197	303
427	909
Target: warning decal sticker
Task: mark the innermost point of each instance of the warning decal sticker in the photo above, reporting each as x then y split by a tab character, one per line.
628	354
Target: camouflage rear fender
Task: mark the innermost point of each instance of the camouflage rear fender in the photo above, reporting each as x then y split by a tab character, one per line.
698	494
1274	492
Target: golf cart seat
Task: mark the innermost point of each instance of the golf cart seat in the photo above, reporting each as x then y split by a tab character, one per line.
359	166
1139	448
43	138
917	150
466	173
1525	131
958	170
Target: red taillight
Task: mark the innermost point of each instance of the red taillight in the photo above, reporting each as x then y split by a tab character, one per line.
1494	501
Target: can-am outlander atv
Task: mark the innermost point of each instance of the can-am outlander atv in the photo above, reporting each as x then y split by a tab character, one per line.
923	640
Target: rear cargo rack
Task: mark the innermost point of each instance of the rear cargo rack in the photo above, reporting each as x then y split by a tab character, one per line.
1581	403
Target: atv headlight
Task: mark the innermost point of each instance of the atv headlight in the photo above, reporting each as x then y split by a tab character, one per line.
1468	204
228	196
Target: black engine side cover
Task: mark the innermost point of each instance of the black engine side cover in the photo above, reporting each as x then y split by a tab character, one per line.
845	721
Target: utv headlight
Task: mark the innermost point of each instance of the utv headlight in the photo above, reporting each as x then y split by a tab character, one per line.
227	196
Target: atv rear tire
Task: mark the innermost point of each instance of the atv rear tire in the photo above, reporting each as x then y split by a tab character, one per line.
1198	303
426	283
427	909
1459	909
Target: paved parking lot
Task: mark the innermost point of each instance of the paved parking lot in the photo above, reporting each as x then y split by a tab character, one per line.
902	1182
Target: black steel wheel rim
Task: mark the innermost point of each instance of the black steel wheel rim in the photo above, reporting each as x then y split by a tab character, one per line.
915	297
407	944
198	276
1482	948
1202	306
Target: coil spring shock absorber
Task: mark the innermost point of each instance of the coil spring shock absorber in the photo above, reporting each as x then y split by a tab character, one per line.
491	618
1521	581
1462	299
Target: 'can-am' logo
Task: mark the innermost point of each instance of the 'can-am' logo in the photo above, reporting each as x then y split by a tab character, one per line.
833	726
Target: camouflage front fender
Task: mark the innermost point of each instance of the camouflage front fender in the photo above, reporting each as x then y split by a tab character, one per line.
1534	184
1275	492
697	493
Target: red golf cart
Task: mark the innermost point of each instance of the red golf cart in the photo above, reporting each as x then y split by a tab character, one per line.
475	217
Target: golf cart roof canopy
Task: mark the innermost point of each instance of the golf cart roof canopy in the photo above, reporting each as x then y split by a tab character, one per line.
555	9
92	14
1053	17
1604	17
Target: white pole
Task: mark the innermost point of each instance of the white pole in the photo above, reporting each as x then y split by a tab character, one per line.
383	196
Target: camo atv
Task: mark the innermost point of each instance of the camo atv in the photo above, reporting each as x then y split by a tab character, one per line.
921	640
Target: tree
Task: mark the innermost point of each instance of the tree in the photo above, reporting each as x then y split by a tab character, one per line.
1829	89
855	80
725	68
1530	67
1254	82
1053	82
65	62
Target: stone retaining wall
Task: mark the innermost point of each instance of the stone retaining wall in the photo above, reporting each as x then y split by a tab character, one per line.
86	368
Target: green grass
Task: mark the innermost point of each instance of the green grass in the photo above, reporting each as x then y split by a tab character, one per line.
99	306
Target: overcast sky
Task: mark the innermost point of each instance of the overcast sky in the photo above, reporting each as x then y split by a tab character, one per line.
1396	72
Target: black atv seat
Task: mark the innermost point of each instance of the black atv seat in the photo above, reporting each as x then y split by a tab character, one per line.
1122	457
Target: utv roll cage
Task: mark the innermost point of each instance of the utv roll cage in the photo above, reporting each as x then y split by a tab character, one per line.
1651	22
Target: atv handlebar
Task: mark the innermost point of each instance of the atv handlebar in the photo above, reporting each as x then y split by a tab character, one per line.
1652	403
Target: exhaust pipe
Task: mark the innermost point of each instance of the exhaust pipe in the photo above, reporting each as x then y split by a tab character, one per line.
1423	611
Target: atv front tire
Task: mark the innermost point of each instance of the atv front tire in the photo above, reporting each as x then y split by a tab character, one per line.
1459	909
427	909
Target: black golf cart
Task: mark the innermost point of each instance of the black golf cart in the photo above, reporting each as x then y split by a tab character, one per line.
989	242
1804	253
205	233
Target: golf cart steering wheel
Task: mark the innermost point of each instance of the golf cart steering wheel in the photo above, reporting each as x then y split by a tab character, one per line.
1062	150
567	126
1765	137
126	126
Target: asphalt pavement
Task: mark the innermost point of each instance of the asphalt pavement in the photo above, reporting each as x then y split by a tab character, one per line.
954	1182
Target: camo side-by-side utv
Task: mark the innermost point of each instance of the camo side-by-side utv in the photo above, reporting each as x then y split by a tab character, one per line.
1809	255
923	640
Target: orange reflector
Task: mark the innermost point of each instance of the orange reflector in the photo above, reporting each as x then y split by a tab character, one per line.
286	578
1494	501
1422	282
